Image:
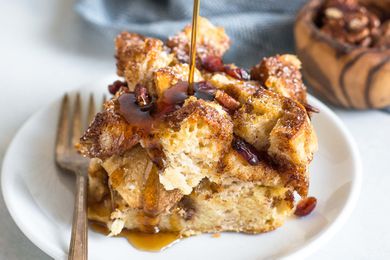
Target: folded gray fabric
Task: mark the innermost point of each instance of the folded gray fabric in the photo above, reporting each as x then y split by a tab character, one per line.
257	28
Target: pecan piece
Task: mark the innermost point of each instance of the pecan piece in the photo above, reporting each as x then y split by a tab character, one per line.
310	108
237	72
374	20
305	206
142	95
358	36
358	23
188	206
226	101
350	22
213	64
383	40
116	86
333	13
366	42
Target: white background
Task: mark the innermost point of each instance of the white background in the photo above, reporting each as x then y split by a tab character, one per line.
46	49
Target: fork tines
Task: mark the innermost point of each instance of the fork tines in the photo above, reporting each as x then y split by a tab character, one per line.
70	128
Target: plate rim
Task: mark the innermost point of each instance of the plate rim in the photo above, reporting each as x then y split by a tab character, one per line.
309	248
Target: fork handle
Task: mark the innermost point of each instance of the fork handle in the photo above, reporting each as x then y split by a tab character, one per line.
79	241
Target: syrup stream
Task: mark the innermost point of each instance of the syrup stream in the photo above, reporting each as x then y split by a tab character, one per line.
195	18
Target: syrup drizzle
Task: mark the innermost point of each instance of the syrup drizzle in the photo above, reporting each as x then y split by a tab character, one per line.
139	239
150	215
150	115
142	241
194	30
133	113
145	118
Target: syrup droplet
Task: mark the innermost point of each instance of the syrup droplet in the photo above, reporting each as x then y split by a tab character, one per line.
134	114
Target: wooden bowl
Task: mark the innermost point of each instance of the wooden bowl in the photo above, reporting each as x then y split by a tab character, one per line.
346	75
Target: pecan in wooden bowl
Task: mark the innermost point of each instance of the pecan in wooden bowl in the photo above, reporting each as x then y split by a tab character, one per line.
344	46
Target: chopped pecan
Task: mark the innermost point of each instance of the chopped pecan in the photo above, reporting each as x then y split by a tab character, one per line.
188	206
383	40
142	95
374	20
366	42
358	36
305	206
350	22
310	108
226	101
358	23
236	72
333	13
213	64
116	86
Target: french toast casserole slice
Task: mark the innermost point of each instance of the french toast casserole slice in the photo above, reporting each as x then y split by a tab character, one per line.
228	154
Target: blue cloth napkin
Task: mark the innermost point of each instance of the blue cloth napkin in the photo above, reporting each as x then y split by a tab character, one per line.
257	28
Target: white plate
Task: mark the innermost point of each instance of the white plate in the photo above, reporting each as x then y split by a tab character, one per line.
40	198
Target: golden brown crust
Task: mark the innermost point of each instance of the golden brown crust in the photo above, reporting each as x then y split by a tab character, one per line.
281	74
125	42
169	76
198	109
238	89
109	134
138	57
211	41
280	127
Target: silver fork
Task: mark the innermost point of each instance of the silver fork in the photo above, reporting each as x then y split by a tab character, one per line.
68	134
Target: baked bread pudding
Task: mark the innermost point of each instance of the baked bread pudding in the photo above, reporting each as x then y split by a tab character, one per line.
229	153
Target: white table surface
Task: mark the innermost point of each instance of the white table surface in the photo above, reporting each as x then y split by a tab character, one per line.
46	49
